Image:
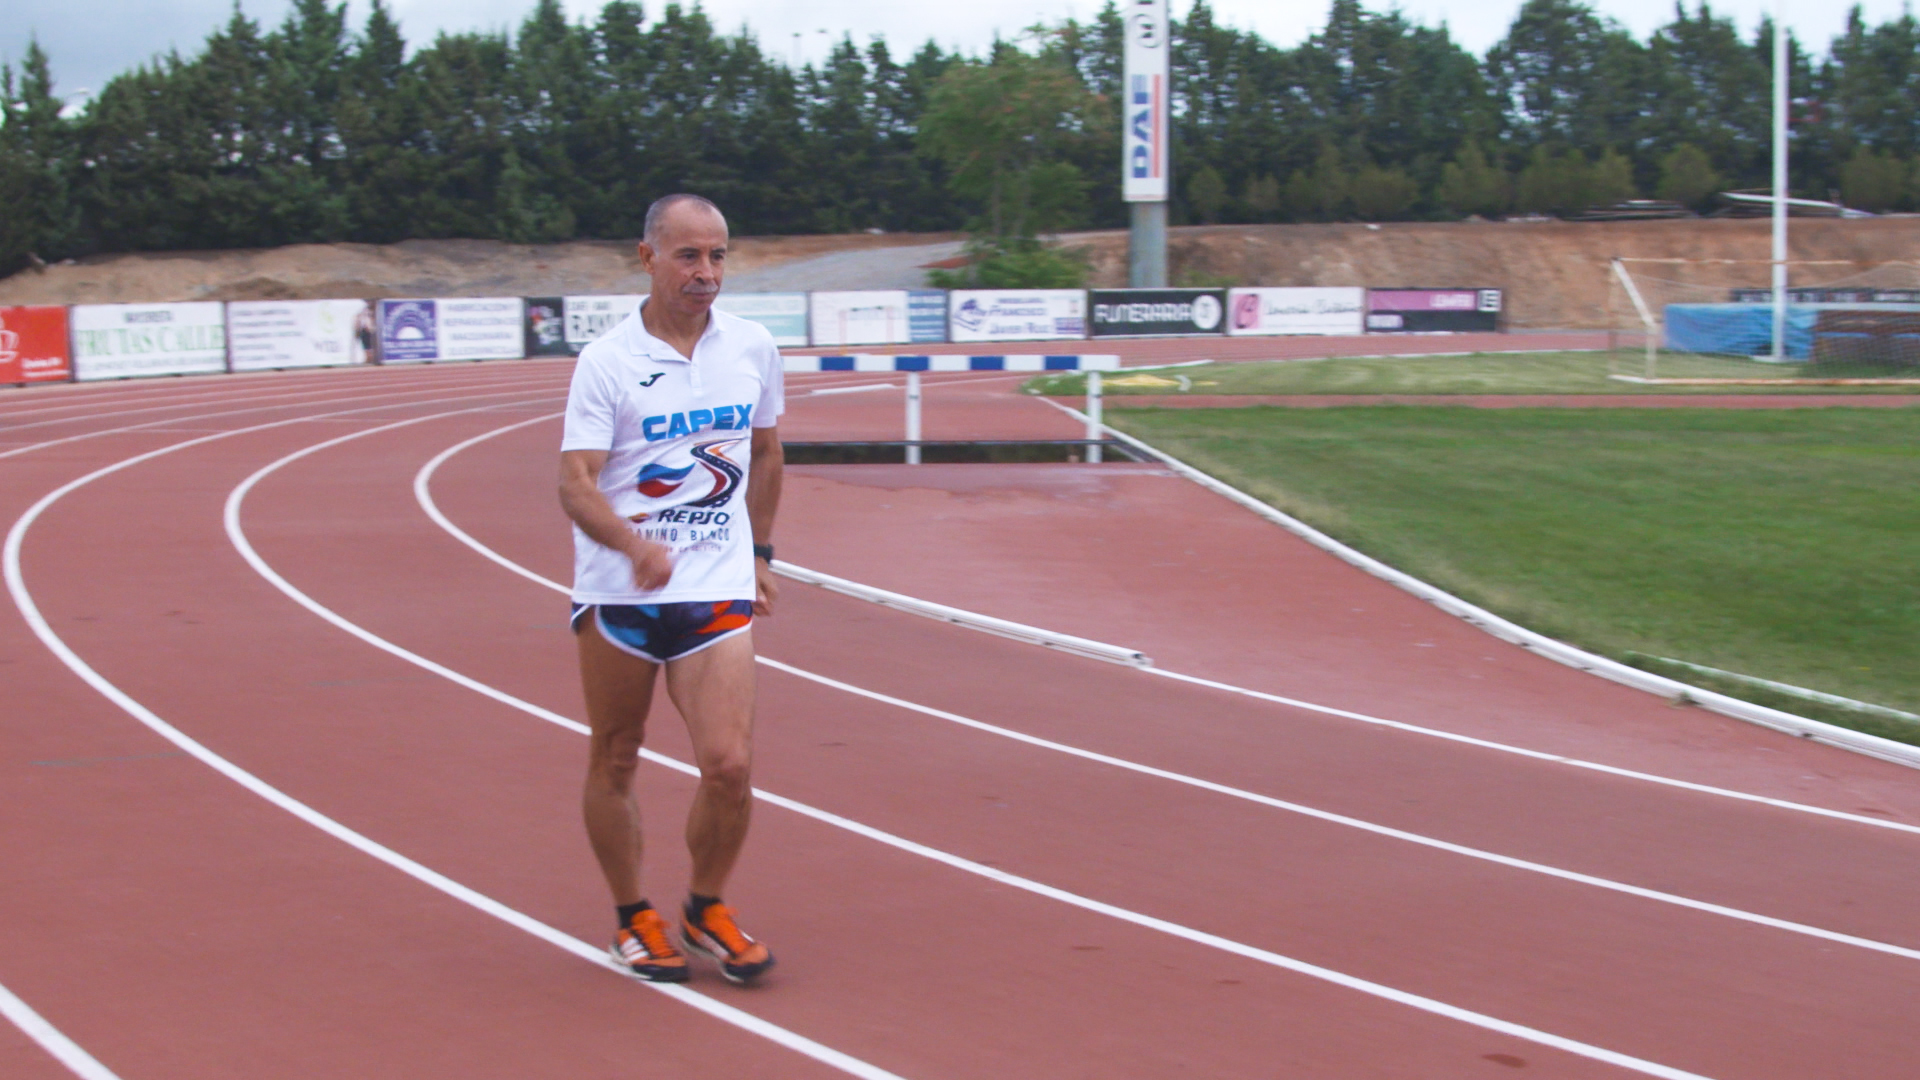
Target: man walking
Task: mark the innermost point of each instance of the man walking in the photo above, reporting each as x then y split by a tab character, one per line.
670	467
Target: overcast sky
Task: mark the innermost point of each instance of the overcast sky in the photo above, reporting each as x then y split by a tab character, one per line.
91	40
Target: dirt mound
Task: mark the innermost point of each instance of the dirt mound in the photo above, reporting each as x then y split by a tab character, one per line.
411	268
1555	273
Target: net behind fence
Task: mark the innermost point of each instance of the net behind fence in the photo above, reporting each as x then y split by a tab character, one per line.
1691	322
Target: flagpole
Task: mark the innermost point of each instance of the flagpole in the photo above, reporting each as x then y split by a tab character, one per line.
1779	181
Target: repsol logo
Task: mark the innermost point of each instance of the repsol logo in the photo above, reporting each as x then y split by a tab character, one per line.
694	421
681	515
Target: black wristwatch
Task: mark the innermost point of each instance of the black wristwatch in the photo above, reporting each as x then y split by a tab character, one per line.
763	551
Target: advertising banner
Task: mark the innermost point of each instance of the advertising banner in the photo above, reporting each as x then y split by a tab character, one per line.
1016	315
408	331
1830	296
588	317
546	330
263	335
877	317
482	328
784	314
1157	312
462	328
1296	311
926	315
1430	311
1143	137
119	341
33	345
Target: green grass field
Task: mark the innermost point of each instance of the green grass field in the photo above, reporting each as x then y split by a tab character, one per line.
1779	544
1478	373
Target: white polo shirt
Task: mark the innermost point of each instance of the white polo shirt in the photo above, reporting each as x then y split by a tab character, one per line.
678	437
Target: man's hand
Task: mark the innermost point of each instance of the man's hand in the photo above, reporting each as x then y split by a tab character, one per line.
652	564
765	588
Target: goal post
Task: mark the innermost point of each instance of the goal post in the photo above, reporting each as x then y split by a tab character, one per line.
1713	322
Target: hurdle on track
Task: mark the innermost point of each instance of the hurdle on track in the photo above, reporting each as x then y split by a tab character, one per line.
954	362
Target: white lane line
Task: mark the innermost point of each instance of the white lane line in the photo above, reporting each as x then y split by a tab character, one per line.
30	611
52	1039
1468	740
423	494
422	486
222	395
1358	823
862	388
494	389
1541	755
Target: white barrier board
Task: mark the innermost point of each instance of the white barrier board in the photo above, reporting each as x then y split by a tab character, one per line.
588	317
481	328
1296	311
783	314
266	334
117	341
1017	315
872	317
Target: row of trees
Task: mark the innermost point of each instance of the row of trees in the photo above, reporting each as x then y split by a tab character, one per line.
315	131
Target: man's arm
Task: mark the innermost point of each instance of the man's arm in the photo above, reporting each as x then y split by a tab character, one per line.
581	498
763	502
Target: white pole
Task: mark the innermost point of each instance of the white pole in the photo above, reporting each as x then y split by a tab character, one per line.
1639	306
1779	181
1093	416
913	418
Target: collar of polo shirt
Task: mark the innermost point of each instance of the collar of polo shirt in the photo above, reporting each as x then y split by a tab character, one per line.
661	351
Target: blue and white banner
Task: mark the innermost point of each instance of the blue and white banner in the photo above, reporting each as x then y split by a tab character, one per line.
1016	315
457	328
877	362
1145	88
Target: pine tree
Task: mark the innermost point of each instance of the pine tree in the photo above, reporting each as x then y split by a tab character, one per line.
42	219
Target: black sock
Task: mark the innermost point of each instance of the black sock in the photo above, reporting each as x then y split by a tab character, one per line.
628	911
697	905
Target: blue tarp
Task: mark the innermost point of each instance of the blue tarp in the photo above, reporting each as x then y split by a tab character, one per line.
1738	329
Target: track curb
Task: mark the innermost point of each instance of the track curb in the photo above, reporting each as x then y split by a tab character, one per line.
1859	742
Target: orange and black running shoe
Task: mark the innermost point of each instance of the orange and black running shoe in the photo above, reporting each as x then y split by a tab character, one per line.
643	947
714	932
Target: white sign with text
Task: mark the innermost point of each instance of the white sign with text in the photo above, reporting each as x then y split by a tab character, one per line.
267	334
1017	314
1296	311
118	341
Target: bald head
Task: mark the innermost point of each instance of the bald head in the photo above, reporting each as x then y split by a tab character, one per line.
670	210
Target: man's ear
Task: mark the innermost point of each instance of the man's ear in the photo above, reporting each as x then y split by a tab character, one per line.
645	251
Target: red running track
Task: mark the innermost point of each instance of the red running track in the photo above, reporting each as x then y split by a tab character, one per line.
175	924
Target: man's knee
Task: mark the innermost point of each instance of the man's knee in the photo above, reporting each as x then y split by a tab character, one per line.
729	773
613	762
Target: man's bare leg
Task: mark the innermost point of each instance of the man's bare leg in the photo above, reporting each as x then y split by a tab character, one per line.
714	691
619	691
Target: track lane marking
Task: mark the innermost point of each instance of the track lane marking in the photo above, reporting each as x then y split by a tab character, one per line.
29	610
52	1039
223	395
493	389
423	494
236	534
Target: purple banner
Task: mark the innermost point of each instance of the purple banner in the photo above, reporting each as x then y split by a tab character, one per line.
1427	311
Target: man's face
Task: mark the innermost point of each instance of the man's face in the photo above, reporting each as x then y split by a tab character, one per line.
688	258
